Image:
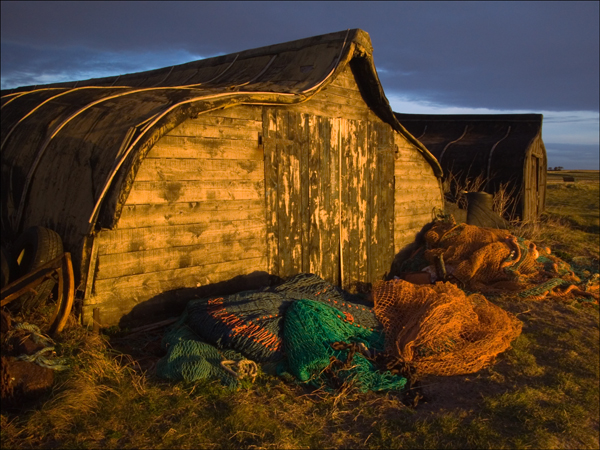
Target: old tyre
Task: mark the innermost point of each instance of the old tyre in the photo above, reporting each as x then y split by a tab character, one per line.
34	248
6	267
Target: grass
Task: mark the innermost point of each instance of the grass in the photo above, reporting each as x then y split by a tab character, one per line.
577	206
541	393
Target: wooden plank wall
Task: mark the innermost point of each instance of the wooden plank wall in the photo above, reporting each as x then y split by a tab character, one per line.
208	205
195	215
543	174
418	193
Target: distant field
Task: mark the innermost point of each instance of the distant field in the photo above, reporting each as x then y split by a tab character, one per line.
580	176
575	204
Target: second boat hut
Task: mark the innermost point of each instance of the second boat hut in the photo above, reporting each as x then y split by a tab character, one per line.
504	150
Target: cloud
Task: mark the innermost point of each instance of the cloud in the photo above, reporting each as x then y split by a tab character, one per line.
500	55
435	57
34	65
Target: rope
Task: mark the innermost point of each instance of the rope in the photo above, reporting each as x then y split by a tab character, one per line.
35	332
47	362
40	358
241	369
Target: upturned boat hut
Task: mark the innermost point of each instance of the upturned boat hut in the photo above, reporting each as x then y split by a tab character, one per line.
503	149
275	161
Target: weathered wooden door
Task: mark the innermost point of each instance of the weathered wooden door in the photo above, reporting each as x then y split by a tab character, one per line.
329	187
531	202
536	186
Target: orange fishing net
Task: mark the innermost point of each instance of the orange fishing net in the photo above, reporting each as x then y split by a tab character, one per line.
439	330
493	261
475	255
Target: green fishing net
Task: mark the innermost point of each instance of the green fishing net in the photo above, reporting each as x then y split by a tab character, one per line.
310	330
190	359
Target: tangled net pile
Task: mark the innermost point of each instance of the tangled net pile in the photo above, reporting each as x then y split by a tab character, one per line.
439	330
306	327
492	261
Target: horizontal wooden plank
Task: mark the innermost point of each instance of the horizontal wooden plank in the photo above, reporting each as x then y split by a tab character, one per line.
160	260
216	119
418	183
412	208
148	238
353	94
171	169
205	148
342	98
411	159
144	286
425	194
408	189
345	80
410	173
195	127
402	142
409	222
133	216
404	206
424	184
168	299
250	112
404	237
145	192
409	152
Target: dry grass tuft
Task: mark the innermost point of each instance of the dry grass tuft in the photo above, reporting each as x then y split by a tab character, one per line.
456	186
505	202
96	372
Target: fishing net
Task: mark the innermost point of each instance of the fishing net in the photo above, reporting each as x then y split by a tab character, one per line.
190	359
440	330
318	343
251	321
305	326
492	261
356	308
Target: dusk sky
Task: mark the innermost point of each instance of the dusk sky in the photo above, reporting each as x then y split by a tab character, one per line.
431	57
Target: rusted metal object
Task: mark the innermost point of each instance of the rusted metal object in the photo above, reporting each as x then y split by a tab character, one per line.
22	380
62	267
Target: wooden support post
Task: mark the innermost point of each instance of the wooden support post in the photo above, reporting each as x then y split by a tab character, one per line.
96	319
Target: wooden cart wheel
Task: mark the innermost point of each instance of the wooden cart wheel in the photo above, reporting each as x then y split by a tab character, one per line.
61	267
34	248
